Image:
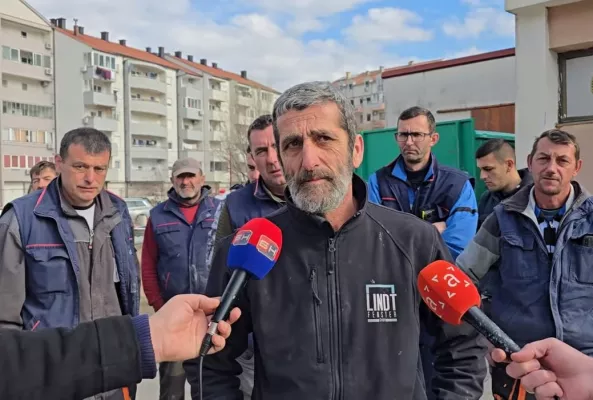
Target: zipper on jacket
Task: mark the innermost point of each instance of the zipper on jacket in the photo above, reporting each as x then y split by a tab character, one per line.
91	236
334	332
317	316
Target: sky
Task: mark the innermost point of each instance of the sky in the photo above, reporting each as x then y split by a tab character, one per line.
282	43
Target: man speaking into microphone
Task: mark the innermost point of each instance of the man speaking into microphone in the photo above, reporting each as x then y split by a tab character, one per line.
338	316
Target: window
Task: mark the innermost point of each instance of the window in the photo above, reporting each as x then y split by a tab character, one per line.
576	100
26	57
352	102
170	146
368	117
24	34
117	164
24	86
193	103
27	110
220	166
103	60
4	83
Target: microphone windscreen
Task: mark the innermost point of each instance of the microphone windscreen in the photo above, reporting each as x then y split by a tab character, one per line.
255	247
447	291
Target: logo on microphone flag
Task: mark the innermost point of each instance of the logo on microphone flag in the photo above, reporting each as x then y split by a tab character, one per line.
242	238
267	247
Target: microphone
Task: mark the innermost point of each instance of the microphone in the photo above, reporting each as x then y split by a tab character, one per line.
253	253
451	295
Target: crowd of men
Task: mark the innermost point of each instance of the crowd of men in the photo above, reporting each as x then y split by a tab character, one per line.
312	328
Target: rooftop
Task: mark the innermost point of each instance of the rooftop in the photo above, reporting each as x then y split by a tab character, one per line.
222	74
440	64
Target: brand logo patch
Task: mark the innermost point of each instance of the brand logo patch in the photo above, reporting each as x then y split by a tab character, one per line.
381	305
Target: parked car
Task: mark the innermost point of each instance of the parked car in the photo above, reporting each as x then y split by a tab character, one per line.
139	208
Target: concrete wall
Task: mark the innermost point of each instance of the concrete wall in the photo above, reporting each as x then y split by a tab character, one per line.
540	30
485	83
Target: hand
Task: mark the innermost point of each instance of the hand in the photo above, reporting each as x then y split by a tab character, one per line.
178	328
567	372
441	226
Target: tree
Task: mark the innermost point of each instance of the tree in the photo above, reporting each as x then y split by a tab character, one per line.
234	152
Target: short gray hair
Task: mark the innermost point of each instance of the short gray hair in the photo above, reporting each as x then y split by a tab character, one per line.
305	95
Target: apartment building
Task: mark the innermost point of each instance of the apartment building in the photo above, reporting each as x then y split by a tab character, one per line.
365	92
215	113
128	93
27	121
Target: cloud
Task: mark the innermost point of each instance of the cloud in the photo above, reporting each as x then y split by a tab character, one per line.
270	51
388	25
480	20
464	53
311	8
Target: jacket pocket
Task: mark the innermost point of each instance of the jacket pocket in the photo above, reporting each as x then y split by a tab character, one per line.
48	269
525	255
317	317
580	256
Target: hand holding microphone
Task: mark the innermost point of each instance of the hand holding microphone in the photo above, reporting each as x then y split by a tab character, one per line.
253	253
452	296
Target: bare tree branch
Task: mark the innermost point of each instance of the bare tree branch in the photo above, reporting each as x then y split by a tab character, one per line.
233	152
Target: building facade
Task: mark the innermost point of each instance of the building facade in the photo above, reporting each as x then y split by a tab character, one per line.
129	94
225	105
554	75
27	123
365	92
480	86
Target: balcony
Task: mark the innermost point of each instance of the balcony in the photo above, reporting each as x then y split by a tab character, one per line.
244	101
148	107
195	154
191	113
244	120
154	174
97	73
149	152
104	124
219	176
218	136
92	98
191	91
192	134
113	175
218	95
153	129
27	70
219	115
155	85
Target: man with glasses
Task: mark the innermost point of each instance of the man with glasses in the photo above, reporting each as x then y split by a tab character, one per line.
68	251
415	183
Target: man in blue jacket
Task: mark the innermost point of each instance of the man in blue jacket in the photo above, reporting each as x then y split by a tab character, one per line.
415	183
175	254
68	251
257	199
536	248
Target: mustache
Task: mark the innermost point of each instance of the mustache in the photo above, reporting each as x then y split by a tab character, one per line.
551	176
305	176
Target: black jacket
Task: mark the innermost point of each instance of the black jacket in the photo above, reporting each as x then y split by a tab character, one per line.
57	364
338	316
489	199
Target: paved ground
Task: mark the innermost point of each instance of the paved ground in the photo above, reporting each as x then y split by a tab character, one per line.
149	389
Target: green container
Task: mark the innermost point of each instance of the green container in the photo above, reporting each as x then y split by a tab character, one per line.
457	147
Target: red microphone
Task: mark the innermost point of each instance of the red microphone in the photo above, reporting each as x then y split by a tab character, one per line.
451	295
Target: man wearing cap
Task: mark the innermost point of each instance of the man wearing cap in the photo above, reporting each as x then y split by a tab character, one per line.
175	254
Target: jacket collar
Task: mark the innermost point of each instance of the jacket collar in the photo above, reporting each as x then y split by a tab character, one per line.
318	223
398	168
520	201
51	199
261	191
